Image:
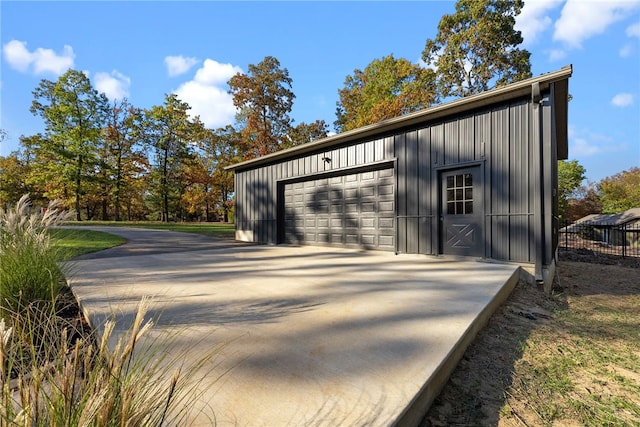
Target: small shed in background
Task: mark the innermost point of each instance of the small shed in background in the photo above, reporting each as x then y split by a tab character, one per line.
619	229
475	177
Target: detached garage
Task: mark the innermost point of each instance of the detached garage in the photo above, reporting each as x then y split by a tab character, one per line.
475	177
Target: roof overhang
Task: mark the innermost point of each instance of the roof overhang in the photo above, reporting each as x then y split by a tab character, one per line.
490	97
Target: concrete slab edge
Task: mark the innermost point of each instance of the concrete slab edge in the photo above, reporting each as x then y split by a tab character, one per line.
416	410
83	310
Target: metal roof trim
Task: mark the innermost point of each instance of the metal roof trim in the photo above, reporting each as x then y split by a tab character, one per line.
511	91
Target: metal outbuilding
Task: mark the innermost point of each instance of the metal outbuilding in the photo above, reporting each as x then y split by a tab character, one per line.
474	177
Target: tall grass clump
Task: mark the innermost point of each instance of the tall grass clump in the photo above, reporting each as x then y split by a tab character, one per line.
29	264
134	382
56	372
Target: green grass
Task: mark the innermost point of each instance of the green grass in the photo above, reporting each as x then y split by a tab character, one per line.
212	229
76	242
583	366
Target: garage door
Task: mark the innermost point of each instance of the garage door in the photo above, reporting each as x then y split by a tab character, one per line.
355	210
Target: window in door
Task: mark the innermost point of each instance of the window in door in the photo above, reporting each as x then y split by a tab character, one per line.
460	194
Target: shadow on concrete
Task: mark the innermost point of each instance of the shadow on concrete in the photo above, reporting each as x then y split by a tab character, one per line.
299	315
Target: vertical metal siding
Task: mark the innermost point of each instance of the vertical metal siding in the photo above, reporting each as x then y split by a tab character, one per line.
532	183
237	216
451	143
501	137
378	150
413	186
437	142
482	152
359	154
519	166
369	148
424	187
401	192
499	168
466	139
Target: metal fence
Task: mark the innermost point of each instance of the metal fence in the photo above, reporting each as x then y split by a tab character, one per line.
618	240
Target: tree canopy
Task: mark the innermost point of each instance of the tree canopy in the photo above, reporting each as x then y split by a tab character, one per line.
620	191
570	176
74	114
477	47
171	135
264	99
116	160
386	88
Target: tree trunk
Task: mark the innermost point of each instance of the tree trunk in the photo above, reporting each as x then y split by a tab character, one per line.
165	189
105	205
116	208
77	189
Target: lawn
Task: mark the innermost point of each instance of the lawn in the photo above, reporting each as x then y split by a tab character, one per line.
78	242
212	229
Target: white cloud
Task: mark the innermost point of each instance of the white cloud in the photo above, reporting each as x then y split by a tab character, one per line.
17	55
114	85
177	65
581	19
556	55
40	60
582	147
633	30
215	73
584	143
533	20
207	93
626	50
622	100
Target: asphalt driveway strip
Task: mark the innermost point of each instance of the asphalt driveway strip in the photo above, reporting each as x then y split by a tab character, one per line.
303	335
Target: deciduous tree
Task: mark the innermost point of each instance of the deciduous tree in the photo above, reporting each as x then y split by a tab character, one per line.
386	88
74	114
620	191
123	153
45	169
570	176
477	47
225	151
585	201
171	134
264	99
304	133
14	173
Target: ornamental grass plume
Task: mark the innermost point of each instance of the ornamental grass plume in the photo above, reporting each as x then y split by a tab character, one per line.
90	383
54	374
29	263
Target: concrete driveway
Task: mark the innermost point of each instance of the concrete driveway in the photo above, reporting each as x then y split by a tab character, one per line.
309	336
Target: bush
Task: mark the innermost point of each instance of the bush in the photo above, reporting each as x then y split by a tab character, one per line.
29	269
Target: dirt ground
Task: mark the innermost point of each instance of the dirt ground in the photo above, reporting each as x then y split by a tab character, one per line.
482	385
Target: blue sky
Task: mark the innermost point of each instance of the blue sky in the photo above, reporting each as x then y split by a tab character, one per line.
142	50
